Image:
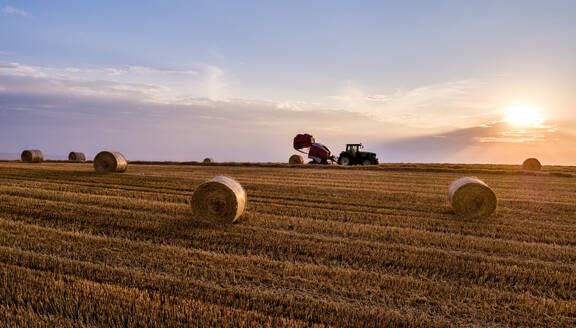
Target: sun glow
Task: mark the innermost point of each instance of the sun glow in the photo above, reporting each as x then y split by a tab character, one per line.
524	115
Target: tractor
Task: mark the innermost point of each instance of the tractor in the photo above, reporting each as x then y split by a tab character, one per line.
354	156
320	154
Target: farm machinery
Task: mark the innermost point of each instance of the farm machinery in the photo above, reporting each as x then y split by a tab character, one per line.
320	154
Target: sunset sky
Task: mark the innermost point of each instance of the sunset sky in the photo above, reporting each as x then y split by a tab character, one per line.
415	81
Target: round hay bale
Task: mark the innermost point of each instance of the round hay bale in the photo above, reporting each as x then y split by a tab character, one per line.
32	156
221	200
107	162
208	160
296	159
472	198
531	164
76	157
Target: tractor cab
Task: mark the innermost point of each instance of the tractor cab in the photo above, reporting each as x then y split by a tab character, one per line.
354	148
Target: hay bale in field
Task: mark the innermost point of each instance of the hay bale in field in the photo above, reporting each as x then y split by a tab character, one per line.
296	159
222	200
208	160
76	157
531	164
472	198
107	162
32	156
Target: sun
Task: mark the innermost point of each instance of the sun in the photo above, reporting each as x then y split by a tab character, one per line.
524	115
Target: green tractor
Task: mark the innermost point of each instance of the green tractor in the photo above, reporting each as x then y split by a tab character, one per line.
354	156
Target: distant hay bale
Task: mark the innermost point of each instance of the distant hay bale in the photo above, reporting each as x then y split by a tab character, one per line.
472	198
32	156
296	159
107	162
222	200
76	157
208	160
531	164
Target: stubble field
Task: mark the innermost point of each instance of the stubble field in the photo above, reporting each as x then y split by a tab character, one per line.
326	247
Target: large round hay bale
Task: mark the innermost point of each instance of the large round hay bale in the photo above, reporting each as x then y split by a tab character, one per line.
221	200
296	159
208	160
472	198
107	162
531	164
32	156
76	157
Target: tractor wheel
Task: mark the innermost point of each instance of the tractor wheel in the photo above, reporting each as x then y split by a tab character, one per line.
344	160
366	162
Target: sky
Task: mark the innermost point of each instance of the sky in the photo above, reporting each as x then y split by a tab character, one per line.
414	81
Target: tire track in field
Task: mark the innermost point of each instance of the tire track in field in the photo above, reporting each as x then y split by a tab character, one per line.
180	210
394	285
299	247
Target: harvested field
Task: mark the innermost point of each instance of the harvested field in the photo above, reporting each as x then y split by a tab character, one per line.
316	246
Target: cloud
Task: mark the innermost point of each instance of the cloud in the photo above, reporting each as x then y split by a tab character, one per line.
498	143
444	105
60	114
112	71
15	67
9	10
127	70
215	81
175	83
131	69
108	70
144	69
64	86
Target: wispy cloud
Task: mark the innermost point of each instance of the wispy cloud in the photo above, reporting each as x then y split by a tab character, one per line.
19	69
215	83
176	84
59	86
442	105
9	10
131	69
144	69
111	71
